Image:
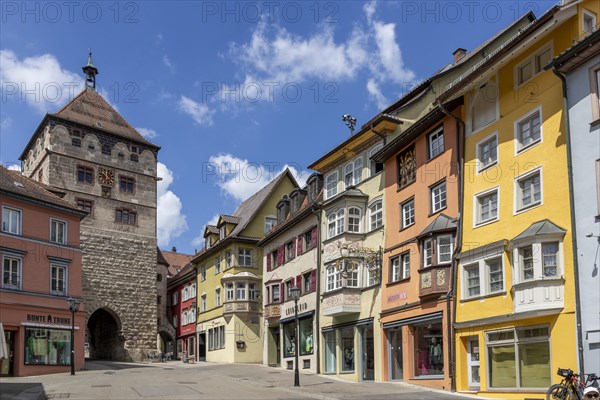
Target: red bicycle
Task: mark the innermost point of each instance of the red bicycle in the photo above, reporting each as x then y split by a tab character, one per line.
571	387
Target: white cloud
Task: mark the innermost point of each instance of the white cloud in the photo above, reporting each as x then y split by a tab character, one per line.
274	54
239	178
375	93
14	167
6	123
39	81
168	63
199	112
147	133
171	222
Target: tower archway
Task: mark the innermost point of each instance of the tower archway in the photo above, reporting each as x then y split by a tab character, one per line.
104	327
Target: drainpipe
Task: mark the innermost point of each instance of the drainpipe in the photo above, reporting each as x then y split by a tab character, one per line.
317	211
460	145
573	222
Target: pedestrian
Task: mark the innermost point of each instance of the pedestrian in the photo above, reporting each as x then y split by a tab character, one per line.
591	393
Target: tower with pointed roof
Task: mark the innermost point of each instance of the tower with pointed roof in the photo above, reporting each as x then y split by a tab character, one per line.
88	152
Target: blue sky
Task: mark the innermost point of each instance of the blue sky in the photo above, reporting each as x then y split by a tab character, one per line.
232	91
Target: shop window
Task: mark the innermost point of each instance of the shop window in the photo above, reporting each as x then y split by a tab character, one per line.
289	340
429	352
306	336
347	342
330	352
47	346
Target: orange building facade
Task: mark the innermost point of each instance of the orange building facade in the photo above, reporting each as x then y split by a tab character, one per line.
421	205
41	269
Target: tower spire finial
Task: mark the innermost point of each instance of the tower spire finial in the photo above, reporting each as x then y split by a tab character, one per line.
90	71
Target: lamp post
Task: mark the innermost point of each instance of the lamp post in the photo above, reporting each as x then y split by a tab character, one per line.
73	307
295	294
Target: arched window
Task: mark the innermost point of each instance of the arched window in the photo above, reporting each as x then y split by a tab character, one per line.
376	214
354	219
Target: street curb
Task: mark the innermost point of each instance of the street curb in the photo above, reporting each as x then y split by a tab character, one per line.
36	393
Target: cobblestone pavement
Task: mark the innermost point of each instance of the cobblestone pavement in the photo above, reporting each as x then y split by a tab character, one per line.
176	380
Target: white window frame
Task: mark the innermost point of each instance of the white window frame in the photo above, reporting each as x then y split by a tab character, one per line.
432	197
589	14
58	267
246	257
184	318
333	278
439	253
518	207
519	147
354	170
538	260
240	292
184	294
477	221
533	59
427	254
356	227
411	220
175	298
203	272
273	299
330	178
203	304
480	163
430	147
270	223
55	223
218	302
192	290
6	224
483	269
217	264
400	267
222	232
229	291
376	214
466	280
19	261
336	219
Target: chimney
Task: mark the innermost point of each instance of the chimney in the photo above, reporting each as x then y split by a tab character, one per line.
174	249
459	54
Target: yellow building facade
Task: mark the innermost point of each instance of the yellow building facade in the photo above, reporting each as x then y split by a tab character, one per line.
515	320
229	271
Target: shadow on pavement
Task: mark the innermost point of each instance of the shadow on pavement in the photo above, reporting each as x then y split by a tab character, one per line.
22	391
100	365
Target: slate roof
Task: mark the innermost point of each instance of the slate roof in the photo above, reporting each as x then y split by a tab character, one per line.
15	183
544	227
89	107
230	219
441	223
212	229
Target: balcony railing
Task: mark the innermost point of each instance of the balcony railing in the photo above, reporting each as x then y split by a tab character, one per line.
341	302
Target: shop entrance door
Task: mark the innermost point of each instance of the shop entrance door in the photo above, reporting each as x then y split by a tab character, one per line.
7	364
202	347
368	354
395	353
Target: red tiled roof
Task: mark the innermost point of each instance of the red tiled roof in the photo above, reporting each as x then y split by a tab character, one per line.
15	183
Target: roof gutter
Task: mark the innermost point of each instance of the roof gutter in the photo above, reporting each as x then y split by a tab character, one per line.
573	221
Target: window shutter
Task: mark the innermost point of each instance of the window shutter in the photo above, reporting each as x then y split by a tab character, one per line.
282	292
280	255
299	246
268	262
293	249
313	237
299	282
313	280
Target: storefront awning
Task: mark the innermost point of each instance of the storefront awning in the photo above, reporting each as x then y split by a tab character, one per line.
414	320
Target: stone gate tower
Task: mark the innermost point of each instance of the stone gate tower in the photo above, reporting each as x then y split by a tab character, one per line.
88	151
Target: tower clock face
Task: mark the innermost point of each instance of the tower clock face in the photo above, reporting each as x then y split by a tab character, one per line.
106	176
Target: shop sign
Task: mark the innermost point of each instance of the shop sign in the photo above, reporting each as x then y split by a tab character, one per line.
397	296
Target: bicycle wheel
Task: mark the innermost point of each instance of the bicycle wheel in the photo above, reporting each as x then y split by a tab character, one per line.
558	392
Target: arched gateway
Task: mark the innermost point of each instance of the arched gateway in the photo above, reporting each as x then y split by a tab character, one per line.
103	335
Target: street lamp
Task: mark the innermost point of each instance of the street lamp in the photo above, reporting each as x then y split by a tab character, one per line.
295	294
73	307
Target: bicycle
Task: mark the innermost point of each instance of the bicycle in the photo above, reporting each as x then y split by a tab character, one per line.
571	387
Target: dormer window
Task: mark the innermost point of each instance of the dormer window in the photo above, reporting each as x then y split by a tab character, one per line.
222	233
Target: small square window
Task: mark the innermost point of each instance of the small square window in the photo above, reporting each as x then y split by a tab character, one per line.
86	205
245	258
126	184
529	131
529	191
85	175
